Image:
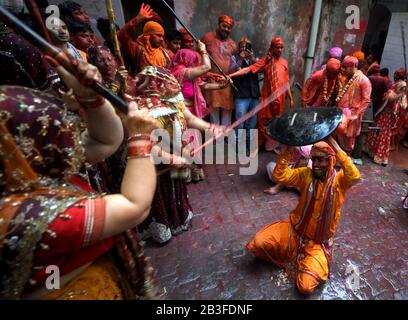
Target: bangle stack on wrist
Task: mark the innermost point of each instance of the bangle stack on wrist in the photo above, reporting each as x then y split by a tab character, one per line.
90	103
139	146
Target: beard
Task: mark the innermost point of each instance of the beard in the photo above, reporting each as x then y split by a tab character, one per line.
223	34
319	173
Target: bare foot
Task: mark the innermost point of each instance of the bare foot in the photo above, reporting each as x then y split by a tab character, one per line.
274	190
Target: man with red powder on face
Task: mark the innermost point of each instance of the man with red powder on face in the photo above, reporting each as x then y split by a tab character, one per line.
221	47
321	88
187	41
147	50
276	71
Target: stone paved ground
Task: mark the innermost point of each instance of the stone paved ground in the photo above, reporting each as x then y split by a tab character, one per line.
209	261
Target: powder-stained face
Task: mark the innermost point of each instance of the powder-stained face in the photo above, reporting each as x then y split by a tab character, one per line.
106	63
278	50
349	70
188	44
174	45
224	30
156	40
83	40
320	166
331	74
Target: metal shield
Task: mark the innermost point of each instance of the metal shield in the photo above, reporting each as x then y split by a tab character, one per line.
301	127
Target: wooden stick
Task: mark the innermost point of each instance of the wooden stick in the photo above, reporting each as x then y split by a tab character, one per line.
112	22
37	18
196	40
14	23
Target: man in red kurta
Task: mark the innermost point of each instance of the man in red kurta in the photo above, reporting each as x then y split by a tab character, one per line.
221	47
321	88
353	98
276	71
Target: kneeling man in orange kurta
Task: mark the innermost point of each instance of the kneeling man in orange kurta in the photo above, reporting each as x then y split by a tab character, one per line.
303	246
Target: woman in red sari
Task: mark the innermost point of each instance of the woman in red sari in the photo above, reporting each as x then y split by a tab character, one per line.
160	93
49	215
386	118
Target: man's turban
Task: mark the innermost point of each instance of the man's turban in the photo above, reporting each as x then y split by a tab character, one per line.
322	147
333	65
227	20
350	61
359	55
276	42
336	52
152	27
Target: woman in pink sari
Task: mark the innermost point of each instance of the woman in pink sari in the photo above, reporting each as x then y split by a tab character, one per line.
187	67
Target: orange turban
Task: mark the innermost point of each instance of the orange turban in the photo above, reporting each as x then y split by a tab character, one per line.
152	27
227	20
359	55
276	42
350	60
154	56
322	147
333	65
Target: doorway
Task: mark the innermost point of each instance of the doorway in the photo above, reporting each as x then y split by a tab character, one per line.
377	31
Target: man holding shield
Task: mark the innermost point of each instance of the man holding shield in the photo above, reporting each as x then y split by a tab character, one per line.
303	245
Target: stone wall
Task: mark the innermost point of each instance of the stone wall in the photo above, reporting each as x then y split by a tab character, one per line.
260	20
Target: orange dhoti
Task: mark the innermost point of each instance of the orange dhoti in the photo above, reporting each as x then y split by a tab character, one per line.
279	243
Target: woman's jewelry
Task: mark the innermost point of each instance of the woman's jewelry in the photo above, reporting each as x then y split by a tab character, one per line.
139	137
90	103
139	151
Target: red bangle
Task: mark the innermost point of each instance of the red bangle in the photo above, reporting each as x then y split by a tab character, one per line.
139	137
91	103
135	152
212	127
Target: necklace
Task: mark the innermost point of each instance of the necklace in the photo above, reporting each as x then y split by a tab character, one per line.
344	89
327	96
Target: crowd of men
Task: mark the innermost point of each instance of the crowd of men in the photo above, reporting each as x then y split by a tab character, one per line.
170	83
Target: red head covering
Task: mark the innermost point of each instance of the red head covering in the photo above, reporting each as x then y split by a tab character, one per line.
322	147
276	42
400	74
185	35
349	61
333	65
375	68
227	20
